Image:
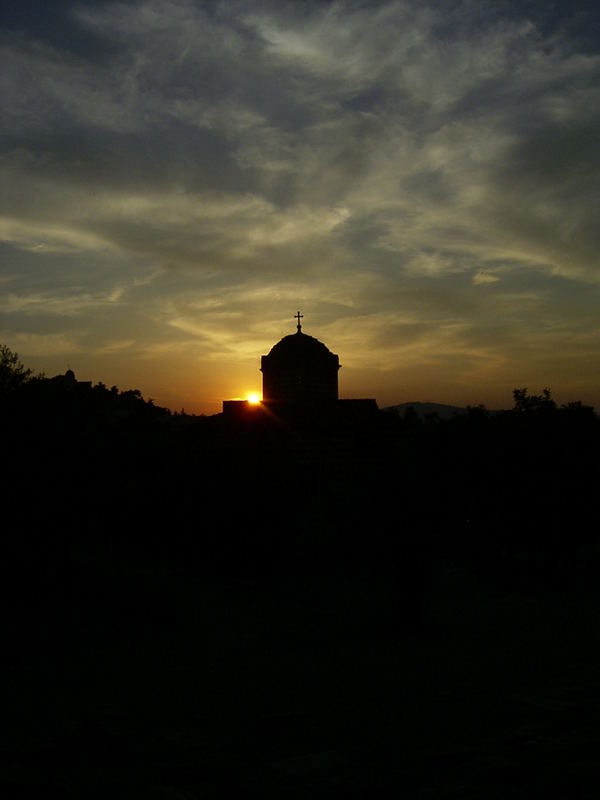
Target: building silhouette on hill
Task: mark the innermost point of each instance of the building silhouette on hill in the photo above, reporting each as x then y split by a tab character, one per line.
300	369
300	378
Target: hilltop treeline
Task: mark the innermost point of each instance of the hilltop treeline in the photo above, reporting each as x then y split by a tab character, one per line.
99	479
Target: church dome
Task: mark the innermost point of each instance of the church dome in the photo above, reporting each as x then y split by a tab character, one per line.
300	369
299	349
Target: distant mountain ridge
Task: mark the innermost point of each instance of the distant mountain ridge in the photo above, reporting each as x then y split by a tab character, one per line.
422	410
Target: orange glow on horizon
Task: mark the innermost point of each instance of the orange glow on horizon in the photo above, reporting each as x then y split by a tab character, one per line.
253	398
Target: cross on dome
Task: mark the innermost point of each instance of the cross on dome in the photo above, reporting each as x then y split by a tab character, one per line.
299	316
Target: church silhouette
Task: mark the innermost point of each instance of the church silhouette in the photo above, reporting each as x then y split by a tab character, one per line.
300	379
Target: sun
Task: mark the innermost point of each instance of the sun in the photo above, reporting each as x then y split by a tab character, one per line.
253	398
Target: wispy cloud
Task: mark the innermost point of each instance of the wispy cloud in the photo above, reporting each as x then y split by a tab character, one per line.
483	277
57	304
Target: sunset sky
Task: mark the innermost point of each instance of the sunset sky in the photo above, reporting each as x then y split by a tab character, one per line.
420	179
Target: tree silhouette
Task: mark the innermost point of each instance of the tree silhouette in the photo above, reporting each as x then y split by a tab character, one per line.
13	373
534	403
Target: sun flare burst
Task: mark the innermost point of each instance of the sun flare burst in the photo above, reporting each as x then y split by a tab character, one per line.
253	398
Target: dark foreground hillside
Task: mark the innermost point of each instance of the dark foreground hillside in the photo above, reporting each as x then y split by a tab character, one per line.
297	609
190	690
